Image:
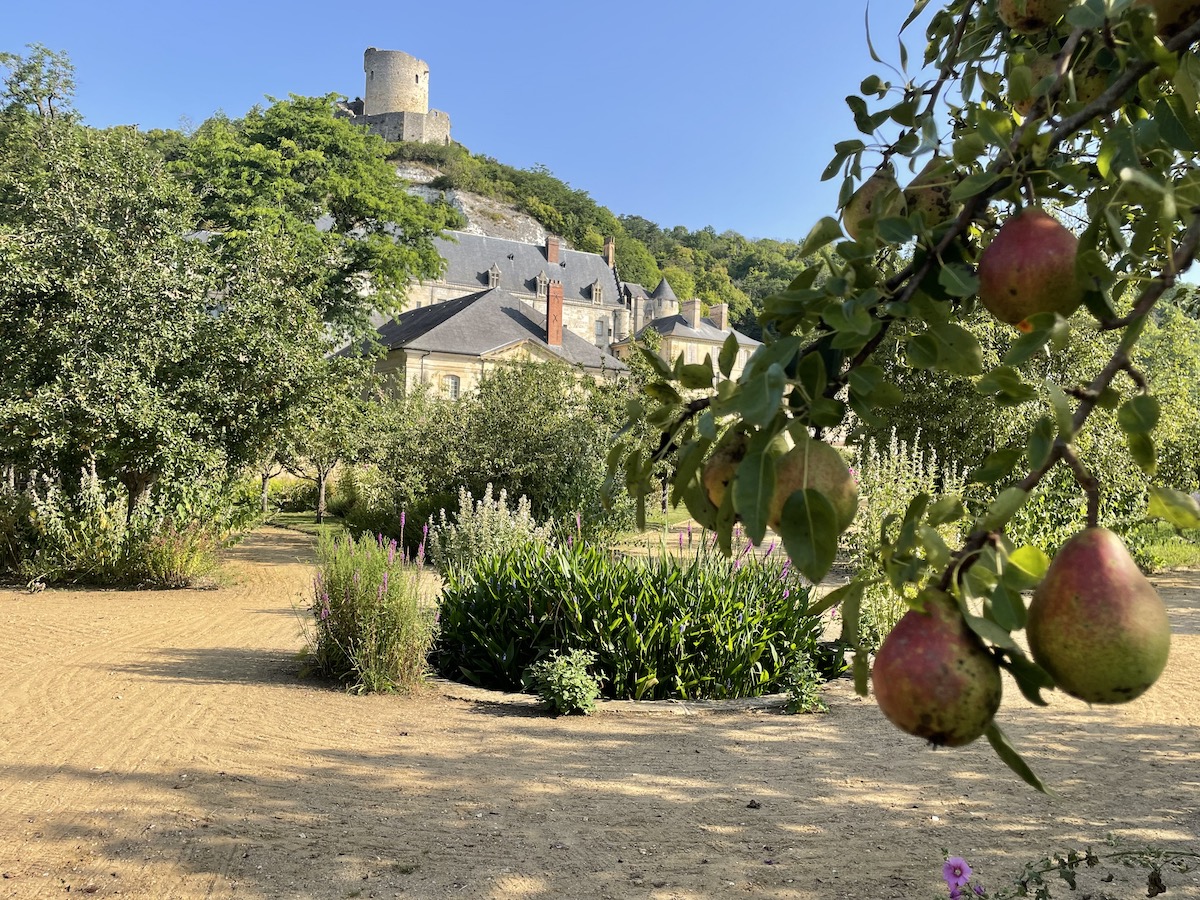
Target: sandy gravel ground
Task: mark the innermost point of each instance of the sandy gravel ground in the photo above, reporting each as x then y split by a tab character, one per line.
161	744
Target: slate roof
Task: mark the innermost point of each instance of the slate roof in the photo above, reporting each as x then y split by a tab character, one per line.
705	330
634	290
470	256
664	292
484	322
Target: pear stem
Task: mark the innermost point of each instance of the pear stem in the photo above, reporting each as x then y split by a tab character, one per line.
1087	481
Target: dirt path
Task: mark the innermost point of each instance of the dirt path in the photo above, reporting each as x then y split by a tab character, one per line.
160	744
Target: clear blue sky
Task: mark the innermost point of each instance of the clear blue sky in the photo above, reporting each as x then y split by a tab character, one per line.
688	113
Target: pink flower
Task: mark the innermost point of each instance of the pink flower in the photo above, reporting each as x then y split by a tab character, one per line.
956	872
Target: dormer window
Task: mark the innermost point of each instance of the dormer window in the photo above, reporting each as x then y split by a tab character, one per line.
543	284
494	276
597	291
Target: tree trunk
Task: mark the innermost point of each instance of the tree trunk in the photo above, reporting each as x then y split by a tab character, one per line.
322	477
136	484
266	482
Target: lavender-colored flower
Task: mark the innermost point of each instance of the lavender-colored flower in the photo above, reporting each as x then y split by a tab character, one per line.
402	517
391	552
978	889
955	894
956	872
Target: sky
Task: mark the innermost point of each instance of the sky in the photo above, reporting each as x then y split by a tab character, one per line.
701	113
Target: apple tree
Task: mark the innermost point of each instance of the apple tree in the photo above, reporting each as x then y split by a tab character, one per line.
1038	166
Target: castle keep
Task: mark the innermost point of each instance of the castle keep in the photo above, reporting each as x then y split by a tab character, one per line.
396	101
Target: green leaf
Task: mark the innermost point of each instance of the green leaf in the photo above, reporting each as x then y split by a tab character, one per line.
1041	442
1011	758
1062	411
823	233
958	350
809	530
894	230
1003	508
851	589
697	376
1031	678
945	510
1141	448
958	280
758	399
997	465
728	356
1031	560
1176	507
921	352
1139	414
973	184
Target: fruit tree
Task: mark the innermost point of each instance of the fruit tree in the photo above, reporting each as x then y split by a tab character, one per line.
1041	165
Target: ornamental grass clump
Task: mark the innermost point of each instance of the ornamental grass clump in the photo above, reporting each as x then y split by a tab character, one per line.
704	627
370	630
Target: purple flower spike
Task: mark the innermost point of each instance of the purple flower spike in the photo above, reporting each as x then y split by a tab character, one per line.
956	872
978	889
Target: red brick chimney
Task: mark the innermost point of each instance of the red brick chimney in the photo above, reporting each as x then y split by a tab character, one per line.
554	314
551	249
610	251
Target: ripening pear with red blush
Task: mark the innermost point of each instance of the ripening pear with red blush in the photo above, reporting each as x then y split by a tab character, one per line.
1029	268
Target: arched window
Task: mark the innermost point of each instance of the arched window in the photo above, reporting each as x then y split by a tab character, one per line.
543	284
450	386
597	291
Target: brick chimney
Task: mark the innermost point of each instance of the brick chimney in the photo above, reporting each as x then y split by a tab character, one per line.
719	316
610	251
554	314
551	249
691	311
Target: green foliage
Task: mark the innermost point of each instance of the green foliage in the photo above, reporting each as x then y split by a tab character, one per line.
702	628
281	167
369	629
484	527
565	683
535	430
802	683
888	320
91	537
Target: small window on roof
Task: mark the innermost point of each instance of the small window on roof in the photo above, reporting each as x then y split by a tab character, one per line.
494	276
597	291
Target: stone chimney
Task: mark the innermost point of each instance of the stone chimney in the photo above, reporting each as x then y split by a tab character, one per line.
554	312
719	316
610	251
691	311
551	249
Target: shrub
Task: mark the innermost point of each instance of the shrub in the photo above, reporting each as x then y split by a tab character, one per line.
484	527
174	556
802	682
564	682
369	628
16	533
704	628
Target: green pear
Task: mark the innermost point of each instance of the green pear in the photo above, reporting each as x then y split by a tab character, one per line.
722	465
1041	67
1173	15
1029	268
1032	16
878	196
929	192
1096	624
933	678
816	465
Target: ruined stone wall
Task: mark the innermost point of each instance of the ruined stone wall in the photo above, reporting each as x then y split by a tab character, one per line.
432	127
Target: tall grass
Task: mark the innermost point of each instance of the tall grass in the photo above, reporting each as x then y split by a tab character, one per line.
369	629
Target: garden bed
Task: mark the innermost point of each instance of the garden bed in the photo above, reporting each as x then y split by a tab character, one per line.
161	744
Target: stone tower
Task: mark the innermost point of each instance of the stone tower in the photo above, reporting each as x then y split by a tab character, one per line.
397	99
396	82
